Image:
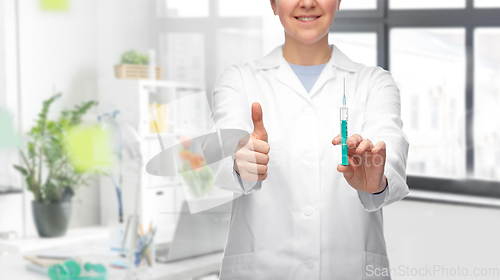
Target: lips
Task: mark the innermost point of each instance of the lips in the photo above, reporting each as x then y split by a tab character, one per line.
307	18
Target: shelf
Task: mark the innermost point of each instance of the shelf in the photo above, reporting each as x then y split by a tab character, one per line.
168	84
163	185
4	190
155	136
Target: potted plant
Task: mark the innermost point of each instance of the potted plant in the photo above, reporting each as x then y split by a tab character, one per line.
134	65
48	171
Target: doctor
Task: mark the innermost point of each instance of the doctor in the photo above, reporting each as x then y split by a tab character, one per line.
298	213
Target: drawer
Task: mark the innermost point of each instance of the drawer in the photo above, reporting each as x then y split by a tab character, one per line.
158	206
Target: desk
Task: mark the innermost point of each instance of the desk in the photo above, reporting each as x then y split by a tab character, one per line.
13	264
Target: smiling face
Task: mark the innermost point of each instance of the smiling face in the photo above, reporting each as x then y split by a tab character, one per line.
306	21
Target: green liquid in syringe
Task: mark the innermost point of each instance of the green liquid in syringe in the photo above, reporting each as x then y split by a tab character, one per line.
344	144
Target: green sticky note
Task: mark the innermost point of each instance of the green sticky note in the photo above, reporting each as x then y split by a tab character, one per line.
55	5
8	137
89	148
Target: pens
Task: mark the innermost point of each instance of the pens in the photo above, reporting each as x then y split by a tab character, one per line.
144	248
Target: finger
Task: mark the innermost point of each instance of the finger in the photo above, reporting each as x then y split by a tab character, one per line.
250	177
337	140
354	141
366	145
253	168
347	170
379	147
244	140
254	157
258	146
259	130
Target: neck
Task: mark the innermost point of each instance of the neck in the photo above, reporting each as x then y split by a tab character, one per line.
300	53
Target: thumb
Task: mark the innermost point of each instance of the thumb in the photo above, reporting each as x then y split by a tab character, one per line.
259	131
348	171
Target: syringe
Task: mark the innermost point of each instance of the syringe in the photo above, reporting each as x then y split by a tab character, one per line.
343	128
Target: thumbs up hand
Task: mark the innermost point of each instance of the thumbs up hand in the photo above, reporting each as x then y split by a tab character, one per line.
251	156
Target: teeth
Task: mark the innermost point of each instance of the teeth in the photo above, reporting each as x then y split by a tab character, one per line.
306	18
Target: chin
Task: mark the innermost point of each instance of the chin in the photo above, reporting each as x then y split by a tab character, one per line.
309	39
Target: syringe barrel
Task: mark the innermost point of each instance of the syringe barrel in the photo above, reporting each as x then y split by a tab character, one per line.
344	113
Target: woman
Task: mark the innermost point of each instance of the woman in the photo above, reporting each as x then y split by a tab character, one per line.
300	214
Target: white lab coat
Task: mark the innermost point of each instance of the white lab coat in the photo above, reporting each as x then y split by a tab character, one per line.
304	221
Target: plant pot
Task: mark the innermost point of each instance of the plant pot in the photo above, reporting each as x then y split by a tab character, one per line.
134	72
51	220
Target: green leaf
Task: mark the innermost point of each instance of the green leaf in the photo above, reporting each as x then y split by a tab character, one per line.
133	57
22	170
46	150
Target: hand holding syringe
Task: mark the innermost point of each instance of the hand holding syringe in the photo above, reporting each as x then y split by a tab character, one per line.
362	163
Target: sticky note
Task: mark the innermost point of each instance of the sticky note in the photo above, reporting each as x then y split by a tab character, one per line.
54	5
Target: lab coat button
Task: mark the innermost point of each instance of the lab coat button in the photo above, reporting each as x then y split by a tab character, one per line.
308	157
308	211
310	264
307	111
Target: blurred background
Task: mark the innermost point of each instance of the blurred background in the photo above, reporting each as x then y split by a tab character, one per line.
133	57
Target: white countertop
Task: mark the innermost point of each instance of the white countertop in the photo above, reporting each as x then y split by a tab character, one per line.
91	243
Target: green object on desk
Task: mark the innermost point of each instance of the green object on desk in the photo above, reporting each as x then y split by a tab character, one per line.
54	5
71	270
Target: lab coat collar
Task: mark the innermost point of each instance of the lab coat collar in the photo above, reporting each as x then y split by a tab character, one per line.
287	76
338	59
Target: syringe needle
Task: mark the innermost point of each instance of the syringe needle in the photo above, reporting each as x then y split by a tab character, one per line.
343	99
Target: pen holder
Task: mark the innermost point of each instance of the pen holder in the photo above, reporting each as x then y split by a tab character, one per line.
144	254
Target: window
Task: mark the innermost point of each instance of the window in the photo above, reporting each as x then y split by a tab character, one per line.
358	5
360	47
486	103
427	4
486	4
443	55
182	8
198	38
435	146
182	56
244	8
237	46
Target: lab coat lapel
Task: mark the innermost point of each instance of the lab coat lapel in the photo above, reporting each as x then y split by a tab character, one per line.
287	76
326	75
338	60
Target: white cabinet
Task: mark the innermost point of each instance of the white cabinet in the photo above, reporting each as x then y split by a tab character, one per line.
161	197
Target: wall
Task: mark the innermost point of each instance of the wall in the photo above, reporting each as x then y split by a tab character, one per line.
11	210
123	25
441	236
69	51
59	49
2	55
